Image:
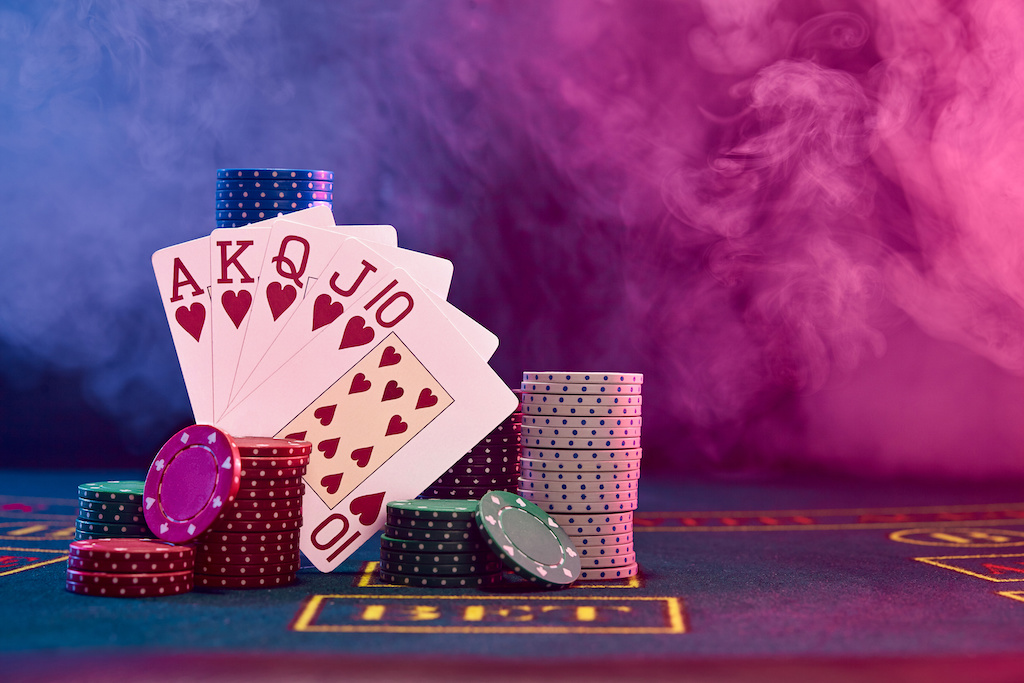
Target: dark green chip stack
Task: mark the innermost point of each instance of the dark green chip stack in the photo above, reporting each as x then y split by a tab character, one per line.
436	544
111	509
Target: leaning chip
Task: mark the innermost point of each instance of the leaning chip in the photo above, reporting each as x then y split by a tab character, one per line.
193	476
527	540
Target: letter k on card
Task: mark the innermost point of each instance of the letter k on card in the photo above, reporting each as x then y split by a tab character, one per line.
367	416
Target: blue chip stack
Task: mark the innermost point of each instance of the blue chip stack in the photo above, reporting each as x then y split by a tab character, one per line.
250	195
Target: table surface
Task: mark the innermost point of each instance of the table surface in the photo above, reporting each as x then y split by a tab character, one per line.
741	579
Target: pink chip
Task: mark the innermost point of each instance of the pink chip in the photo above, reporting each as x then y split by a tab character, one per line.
195	474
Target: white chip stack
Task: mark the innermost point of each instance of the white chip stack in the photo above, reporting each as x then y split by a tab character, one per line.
581	462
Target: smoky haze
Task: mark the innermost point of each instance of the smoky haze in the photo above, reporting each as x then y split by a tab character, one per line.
801	220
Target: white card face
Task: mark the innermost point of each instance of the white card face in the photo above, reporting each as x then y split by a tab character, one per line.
353	269
325	287
381	234
295	253
183	277
236	255
402	422
479	337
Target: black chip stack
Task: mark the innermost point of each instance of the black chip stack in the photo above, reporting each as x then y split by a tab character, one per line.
491	465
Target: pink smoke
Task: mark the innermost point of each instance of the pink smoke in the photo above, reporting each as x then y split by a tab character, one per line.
815	215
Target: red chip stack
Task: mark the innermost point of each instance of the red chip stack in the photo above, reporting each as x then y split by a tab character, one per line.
254	542
129	568
491	465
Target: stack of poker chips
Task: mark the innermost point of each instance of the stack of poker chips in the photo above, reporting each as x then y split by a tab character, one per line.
111	509
254	542
129	568
491	465
435	544
249	195
581	462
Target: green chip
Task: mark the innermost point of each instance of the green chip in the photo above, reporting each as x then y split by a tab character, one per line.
91	536
438	581
112	528
117	491
109	506
430	522
410	534
527	540
112	517
413	569
465	558
420	546
433	509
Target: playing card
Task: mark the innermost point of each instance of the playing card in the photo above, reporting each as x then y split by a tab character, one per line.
384	401
183	277
409	397
236	255
270	334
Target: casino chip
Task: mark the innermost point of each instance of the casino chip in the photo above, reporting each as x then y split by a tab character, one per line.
439	581
582	455
527	540
266	204
608	573
582	410
579	389
273	174
267	194
287	185
415	523
580	422
192	477
418	546
113	491
244	582
562	443
603	378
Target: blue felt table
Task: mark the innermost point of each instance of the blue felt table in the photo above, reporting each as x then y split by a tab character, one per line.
742	579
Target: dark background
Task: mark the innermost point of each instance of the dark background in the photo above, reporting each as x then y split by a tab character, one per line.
801	220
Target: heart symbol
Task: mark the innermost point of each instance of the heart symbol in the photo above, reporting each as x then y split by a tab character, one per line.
389	357
328	447
191	318
236	305
325	311
426	399
392	391
331	482
356	333
362	455
367	507
325	414
396	426
359	384
279	298
296	435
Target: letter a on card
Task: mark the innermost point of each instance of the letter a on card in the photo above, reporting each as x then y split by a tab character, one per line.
183	276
